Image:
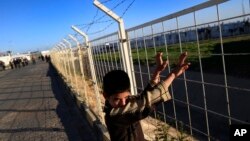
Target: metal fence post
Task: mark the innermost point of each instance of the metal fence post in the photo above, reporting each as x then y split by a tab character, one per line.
73	64
66	62
67	58
81	69
53	57
93	74
126	54
58	58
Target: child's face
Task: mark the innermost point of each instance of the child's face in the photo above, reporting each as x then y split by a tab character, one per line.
118	100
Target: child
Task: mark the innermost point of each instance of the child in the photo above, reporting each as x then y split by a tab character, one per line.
123	112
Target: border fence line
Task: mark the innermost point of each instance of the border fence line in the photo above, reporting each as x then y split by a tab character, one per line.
207	98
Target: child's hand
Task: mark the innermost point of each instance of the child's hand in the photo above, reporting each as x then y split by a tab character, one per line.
161	66
181	66
180	69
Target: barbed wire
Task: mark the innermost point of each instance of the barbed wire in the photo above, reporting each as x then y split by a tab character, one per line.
124	12
117	5
72	42
128	7
95	21
101	29
96	14
98	20
86	24
106	1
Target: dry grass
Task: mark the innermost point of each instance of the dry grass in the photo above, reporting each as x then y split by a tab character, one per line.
151	127
85	89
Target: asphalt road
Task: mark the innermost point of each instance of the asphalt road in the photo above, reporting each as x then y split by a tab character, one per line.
33	107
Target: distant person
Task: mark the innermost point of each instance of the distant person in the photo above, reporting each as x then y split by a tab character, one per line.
18	62
42	57
33	60
3	65
26	61
11	64
23	63
47	58
15	62
123	111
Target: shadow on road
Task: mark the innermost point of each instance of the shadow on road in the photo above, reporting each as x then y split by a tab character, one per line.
76	126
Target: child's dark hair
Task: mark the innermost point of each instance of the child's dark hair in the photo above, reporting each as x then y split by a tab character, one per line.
115	81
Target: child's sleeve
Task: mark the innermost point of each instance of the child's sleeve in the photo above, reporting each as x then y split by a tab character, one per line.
150	86
140	107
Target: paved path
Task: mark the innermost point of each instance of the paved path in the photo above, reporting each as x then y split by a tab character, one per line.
32	108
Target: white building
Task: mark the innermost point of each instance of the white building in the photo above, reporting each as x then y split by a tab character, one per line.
6	59
45	52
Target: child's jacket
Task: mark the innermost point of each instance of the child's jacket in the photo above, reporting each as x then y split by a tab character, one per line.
123	123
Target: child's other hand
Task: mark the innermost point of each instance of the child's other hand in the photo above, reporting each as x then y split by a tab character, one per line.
181	66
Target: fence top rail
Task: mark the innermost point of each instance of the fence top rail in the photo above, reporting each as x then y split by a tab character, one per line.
171	16
179	13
